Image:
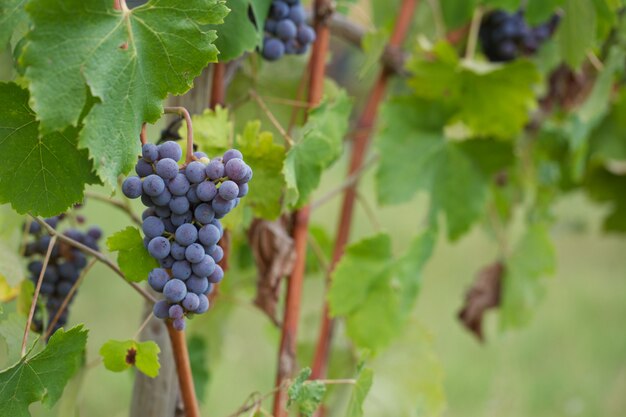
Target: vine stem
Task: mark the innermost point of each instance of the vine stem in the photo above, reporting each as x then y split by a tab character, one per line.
218	86
143	136
183	368
287	349
33	303
472	37
68	297
359	150
182	112
98	255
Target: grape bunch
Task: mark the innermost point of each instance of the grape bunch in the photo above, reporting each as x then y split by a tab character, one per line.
181	223
505	36
286	31
63	270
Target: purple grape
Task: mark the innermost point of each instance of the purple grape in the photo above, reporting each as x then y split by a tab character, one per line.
209	235
204	213
191	302
94	232
179	324
205	267
162	199
192	196
195	172
297	14
166	262
279	10
228	190
194	253
161	309
169	226
217	224
131	187
217	275
146	200
163	212
186	234
143	168
231	154
243	190
203	304
153	185
270	25
273	49
216	252
175	290
179	185
159	247
197	285
221	206
200	155
157	278
306	35
178	251
153	227
206	191
170	150
215	169
286	30
150	211
63	288
235	169
68	271
176	312
150	152
180	219
179	205
181	270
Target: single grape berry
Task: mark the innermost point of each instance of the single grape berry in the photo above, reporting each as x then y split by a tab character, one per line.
159	247
273	49
167	168
150	152
186	234
153	185
161	309
174	290
170	150
195	172
131	188
286	30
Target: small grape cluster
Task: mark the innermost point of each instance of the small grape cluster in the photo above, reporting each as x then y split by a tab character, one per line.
505	36
181	224
286	31
63	270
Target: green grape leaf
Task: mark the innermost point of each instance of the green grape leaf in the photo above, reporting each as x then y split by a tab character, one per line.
525	271
373	45
44	175
577	31
359	392
119	355
212	131
306	395
197	346
11	331
604	186
11	267
129	60
133	257
415	155
319	148
489	100
539	11
12	13
375	292
42	376
607	140
413	372
266	158
238	34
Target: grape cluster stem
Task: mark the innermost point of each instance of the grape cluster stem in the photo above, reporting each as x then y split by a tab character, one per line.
183	112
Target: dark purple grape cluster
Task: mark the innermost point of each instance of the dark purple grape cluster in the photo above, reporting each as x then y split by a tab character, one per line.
286	31
181	223
506	36
64	266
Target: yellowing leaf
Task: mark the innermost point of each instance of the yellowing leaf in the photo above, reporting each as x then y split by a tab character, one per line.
120	355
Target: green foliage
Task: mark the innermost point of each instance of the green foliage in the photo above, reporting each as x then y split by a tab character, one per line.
112	56
133	257
212	131
266	158
238	34
11	331
375	292
44	175
119	355
489	100
608	187
319	148
12	13
415	155
197	347
531	261
359	392
577	33
306	395
42	376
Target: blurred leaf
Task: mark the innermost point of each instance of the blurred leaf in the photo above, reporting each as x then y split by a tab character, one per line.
12	13
306	395
44	175
11	331
608	140
197	346
212	131
119	355
11	268
113	56
319	148
577	31
133	257
7	292
604	186
491	100
359	392
373	45
375	292
43	376
266	158
526	269
539	11
416	156
25	297
238	33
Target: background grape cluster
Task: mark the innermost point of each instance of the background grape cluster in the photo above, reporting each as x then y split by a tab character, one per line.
181	224
286	31
505	36
64	267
